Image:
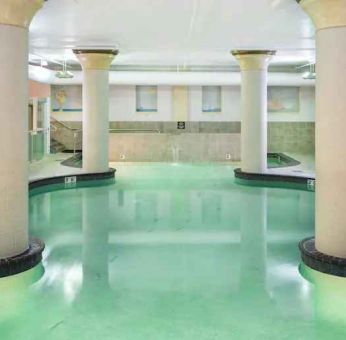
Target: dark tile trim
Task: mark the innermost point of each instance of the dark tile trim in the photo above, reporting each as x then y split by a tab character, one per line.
79	178
22	262
321	262
303	183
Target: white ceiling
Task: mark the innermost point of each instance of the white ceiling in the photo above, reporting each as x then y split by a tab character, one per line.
173	32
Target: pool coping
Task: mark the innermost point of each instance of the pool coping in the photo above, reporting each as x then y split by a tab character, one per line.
24	261
319	261
71	178
33	255
275	180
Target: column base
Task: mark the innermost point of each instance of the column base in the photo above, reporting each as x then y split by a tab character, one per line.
319	261
274	180
22	262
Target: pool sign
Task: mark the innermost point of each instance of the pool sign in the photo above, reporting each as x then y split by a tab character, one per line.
310	184
181	125
70	182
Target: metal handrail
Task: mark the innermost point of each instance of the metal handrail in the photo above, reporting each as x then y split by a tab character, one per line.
32	132
110	130
74	131
54	120
77	131
135	130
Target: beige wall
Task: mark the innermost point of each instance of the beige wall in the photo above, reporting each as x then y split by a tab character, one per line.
122	102
180	101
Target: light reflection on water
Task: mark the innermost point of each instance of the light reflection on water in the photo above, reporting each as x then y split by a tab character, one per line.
172	253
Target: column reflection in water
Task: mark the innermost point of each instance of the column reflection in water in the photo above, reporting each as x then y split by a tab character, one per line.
95	238
94	301
14	294
253	240
329	300
146	208
180	208
211	208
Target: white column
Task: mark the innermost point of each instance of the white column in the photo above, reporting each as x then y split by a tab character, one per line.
329	17
254	66
15	17
95	64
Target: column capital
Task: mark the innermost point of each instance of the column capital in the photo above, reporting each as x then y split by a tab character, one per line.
94	59
325	13
19	12
253	59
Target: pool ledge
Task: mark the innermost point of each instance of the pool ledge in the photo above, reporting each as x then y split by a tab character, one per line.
319	261
23	262
275	180
72	179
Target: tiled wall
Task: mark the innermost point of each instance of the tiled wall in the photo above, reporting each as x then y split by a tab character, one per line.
169	147
201	141
296	137
171	127
190	127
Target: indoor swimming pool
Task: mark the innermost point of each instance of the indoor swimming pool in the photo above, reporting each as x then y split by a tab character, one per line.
172	251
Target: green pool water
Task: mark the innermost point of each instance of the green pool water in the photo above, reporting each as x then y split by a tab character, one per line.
172	252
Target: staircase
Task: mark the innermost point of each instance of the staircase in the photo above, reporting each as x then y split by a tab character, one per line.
64	137
56	147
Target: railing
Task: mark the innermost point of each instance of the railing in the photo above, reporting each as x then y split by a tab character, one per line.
134	130
71	138
62	133
37	144
58	122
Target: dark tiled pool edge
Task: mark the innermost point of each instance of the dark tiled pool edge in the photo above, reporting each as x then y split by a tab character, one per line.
33	256
321	262
83	177
22	262
275	180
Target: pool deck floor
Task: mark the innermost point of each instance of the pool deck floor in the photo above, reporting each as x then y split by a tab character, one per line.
50	166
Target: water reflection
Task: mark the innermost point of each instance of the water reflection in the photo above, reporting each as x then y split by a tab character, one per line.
95	232
329	297
254	240
180	259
